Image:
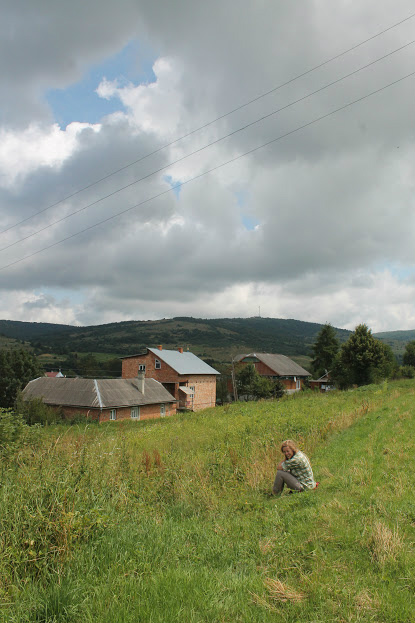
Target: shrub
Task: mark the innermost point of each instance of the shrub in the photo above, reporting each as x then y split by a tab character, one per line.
408	372
35	411
12	428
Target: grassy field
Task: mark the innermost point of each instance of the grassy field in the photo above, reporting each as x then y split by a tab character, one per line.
171	520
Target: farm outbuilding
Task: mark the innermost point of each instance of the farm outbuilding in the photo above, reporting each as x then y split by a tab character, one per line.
104	399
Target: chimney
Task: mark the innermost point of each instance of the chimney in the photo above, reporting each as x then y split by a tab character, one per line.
160	347
180	349
140	378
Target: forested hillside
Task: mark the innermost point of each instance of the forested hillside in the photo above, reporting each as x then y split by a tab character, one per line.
216	339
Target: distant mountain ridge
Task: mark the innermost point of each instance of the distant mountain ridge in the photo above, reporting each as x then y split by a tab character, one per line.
218	339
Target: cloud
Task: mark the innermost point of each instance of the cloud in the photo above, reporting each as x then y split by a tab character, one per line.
332	203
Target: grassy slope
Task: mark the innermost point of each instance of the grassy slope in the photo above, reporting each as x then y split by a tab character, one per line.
169	521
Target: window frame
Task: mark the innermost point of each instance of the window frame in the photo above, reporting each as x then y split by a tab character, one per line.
157	364
162	409
113	415
137	410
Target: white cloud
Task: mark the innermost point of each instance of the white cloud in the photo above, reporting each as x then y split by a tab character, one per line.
154	107
334	201
25	151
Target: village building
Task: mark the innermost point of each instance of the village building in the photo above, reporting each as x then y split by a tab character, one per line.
276	367
190	380
323	384
104	399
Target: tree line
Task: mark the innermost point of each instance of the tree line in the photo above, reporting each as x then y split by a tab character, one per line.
361	360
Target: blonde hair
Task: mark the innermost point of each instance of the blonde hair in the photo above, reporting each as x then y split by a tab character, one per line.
289	443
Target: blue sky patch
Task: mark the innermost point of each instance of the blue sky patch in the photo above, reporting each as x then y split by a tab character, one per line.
80	102
399	271
172	183
249	222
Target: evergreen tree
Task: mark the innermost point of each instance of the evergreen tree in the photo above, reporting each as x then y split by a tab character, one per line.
325	350
251	384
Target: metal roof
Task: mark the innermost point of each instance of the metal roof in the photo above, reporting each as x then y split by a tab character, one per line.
183	363
96	393
280	364
186	390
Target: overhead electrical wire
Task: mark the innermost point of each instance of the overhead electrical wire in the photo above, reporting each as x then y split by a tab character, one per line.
280	86
200	149
223	164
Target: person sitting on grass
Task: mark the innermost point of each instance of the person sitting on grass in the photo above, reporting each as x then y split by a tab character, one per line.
295	471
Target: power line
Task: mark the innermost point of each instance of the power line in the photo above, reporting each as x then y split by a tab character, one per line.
181	184
202	127
200	149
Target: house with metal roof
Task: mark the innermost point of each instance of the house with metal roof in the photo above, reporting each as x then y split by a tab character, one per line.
276	367
190	380
104	399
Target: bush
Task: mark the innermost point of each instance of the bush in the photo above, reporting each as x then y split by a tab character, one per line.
408	372
35	411
12	429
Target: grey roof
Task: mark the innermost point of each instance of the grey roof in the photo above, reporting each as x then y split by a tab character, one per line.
96	393
280	364
183	363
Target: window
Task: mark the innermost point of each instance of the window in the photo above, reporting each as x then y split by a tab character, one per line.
162	410
192	387
157	364
142	367
113	414
135	413
297	383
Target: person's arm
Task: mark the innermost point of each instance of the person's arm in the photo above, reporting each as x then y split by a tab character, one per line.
280	465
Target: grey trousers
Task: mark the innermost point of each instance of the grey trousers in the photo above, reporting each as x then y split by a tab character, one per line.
285	478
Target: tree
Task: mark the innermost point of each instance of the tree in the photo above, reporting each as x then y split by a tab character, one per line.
363	360
325	350
251	384
17	368
409	354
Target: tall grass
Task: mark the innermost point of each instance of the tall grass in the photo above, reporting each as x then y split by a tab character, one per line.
171	520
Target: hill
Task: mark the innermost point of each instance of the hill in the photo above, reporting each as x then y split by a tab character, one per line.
397	340
170	520
216	339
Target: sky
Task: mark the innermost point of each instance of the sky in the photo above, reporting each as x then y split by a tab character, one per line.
174	158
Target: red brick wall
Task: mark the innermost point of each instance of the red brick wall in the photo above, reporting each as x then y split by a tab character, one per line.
147	412
71	412
205	390
166	374
204	384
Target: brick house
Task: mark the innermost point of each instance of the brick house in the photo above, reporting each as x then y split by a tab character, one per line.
104	399
191	381
276	367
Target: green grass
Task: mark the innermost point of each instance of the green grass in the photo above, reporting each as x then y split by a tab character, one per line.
170	520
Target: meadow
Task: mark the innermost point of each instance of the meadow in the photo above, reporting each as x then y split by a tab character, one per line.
171	520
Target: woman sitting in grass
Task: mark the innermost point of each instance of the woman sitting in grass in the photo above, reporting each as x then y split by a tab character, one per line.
295	471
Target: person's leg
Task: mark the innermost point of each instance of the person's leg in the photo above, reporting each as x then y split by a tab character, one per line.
285	478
